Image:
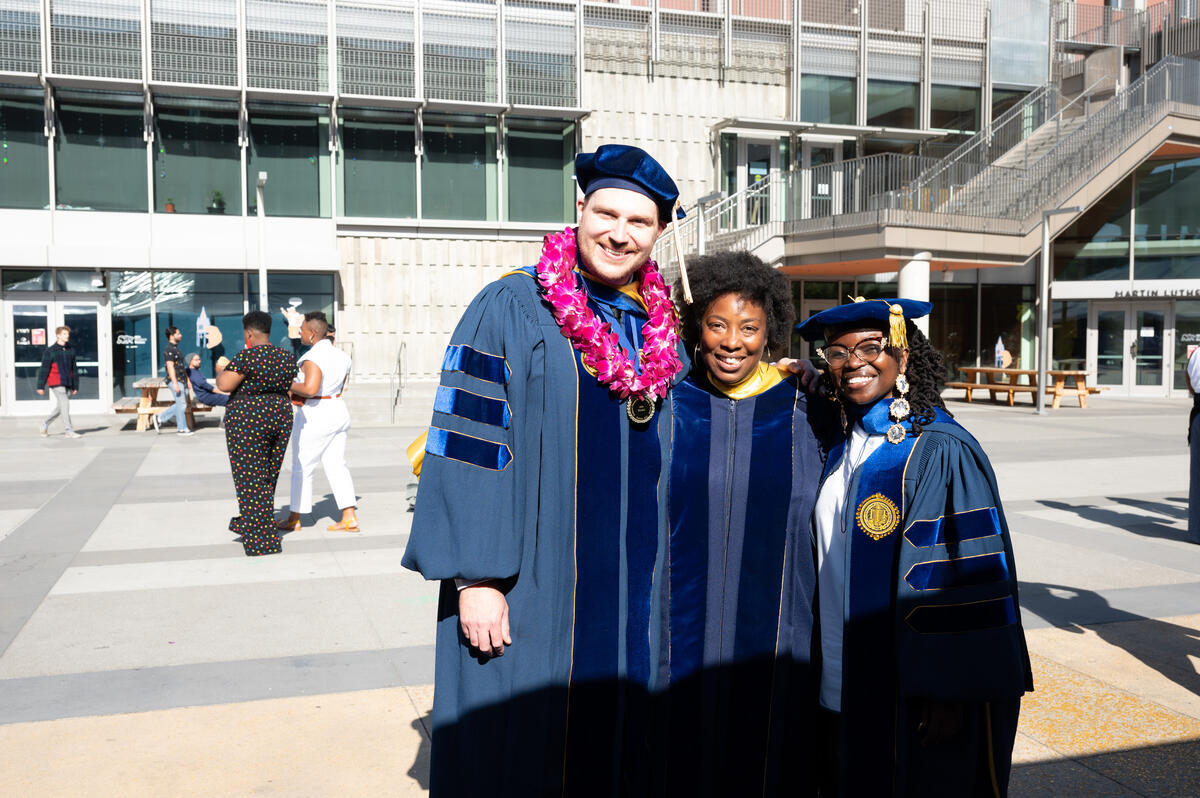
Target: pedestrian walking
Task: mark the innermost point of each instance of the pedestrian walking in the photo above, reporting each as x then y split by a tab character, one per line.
59	373
177	381
1193	381
321	426
538	507
923	658
258	422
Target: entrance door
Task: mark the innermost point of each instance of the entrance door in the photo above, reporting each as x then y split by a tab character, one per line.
1128	347
30	323
808	309
821	178
758	162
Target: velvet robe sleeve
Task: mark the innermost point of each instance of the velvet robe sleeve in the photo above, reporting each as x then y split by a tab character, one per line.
483	450
959	635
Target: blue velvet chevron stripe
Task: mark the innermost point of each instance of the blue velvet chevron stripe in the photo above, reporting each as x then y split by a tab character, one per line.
957	527
984	569
465	449
472	406
472	362
961	618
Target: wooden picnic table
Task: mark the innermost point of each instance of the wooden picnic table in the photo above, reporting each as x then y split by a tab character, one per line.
148	404
1005	381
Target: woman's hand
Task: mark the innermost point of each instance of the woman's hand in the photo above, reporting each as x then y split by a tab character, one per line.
810	378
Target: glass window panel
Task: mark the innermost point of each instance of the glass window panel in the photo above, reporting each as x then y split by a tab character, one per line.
1167	220
78	280
1110	347
197	163
30	334
892	103
817	289
100	158
1006	317
194	301
540	165
827	99
24	155
954	108
132	347
1148	337
872	290
1004	99
379	167
26	280
458	175
952	327
304	292
290	150
1096	246
1069	338
85	340
1187	337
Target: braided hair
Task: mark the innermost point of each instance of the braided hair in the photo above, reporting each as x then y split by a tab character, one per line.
925	371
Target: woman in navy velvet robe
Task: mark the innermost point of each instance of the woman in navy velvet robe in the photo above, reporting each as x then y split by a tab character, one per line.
745	463
923	659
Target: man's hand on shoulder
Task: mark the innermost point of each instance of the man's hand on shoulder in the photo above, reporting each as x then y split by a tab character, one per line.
809	376
483	617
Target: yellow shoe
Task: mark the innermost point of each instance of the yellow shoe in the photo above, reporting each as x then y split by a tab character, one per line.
346	525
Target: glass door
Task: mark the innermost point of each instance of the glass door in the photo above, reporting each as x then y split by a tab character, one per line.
758	161
821	178
1128	347
30	327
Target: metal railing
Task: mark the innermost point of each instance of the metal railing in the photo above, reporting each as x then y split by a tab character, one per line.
397	380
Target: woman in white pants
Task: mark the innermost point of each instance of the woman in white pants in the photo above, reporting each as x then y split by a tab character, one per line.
320	427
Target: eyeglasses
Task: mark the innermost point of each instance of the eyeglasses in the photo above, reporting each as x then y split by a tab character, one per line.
867	351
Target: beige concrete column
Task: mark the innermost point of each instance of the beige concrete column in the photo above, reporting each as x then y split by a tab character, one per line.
913	283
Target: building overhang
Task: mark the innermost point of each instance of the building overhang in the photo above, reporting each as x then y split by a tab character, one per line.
744	124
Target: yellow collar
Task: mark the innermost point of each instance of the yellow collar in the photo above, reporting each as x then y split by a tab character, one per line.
762	379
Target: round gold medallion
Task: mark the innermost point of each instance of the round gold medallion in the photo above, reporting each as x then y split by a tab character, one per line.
639	409
878	516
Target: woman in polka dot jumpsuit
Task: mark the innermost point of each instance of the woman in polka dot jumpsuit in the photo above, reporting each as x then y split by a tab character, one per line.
258	423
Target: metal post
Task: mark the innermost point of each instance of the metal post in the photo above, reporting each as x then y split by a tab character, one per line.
262	261
1043	308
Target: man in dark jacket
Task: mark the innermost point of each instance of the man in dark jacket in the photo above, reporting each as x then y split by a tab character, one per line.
58	373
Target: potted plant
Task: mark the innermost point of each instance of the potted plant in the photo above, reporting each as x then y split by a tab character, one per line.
216	203
170	205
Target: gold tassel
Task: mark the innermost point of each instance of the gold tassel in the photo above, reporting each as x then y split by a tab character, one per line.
683	275
897	335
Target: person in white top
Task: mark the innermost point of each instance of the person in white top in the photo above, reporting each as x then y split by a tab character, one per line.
1193	381
321	425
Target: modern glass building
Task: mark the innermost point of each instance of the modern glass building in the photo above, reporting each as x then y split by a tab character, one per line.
409	152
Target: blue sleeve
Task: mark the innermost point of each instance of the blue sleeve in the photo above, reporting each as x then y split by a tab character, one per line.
482	453
959	634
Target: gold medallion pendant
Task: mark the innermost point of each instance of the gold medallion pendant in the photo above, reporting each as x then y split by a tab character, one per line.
639	409
878	516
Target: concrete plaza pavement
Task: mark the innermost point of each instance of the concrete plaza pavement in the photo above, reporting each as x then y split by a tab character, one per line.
142	655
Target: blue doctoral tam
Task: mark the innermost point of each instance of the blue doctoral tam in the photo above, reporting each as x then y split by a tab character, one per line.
630	168
861	311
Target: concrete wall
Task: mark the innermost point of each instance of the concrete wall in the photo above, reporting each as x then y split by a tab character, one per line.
670	118
414	290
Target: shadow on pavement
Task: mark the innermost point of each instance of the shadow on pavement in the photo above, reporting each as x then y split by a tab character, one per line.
1162	646
1171	771
1136	522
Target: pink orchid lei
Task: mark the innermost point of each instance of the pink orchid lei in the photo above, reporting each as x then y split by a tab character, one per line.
598	345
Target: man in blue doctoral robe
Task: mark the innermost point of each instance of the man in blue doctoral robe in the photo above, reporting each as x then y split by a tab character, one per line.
538	509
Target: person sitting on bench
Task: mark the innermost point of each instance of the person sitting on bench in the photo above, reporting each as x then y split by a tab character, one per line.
204	390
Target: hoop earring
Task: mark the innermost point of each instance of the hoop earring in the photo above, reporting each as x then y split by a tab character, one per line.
899	410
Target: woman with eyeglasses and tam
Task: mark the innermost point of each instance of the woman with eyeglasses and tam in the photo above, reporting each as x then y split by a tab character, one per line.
923	658
745	462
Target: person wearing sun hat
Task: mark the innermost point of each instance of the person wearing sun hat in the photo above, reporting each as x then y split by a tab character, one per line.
921	645
538	505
